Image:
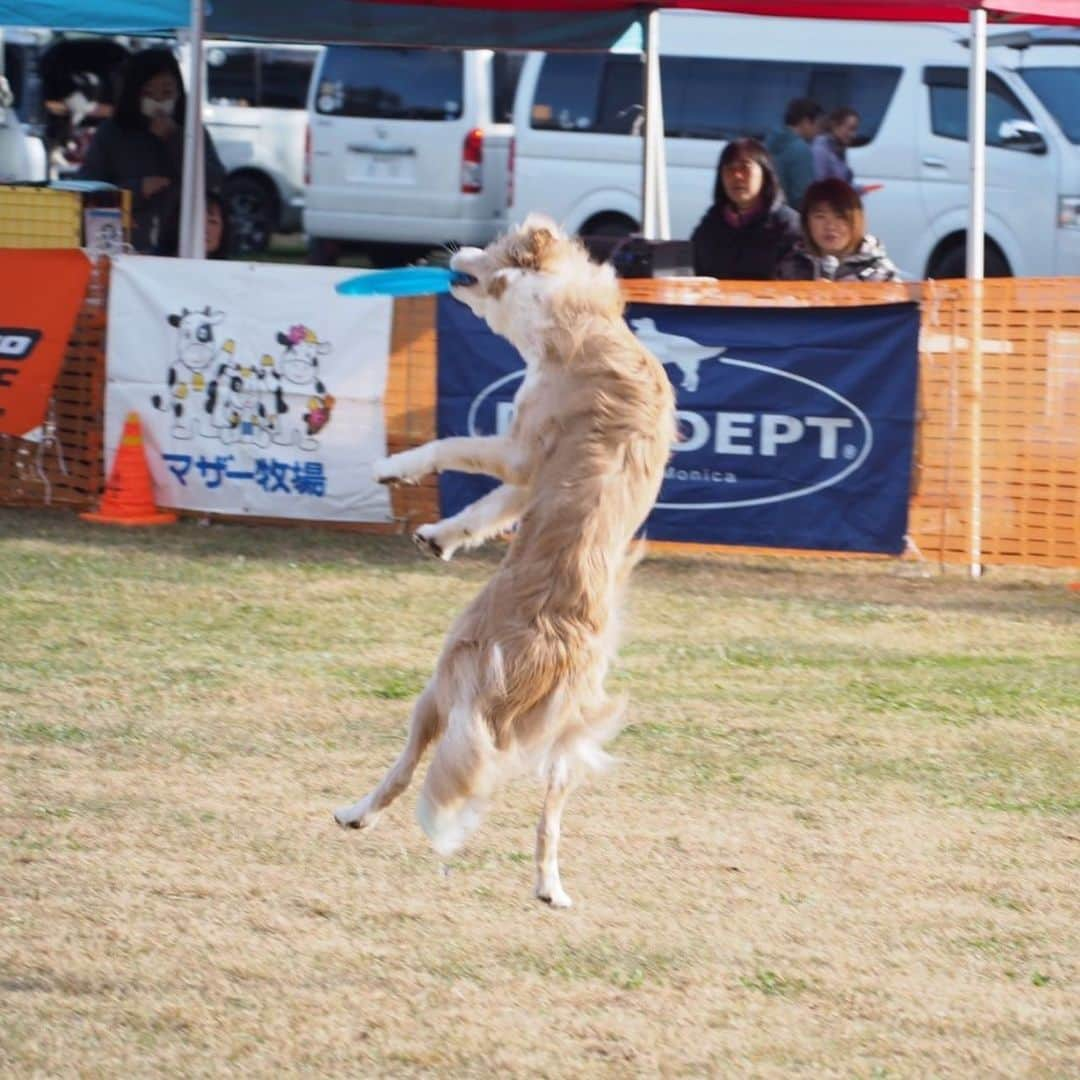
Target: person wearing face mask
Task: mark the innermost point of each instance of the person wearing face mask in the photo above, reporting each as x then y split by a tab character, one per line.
835	245
141	148
749	228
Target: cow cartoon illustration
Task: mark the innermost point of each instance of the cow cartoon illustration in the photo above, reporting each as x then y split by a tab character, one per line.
296	371
196	352
237	403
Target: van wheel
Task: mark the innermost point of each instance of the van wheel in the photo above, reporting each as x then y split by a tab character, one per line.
253	210
952	263
613	225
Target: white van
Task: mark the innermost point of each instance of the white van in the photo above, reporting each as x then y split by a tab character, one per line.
409	148
256	101
728	76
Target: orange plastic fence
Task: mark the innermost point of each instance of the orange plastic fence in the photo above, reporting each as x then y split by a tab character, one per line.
1026	456
1006	442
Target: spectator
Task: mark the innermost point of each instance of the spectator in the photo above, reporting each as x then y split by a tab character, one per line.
141	148
217	227
749	228
790	148
830	147
835	245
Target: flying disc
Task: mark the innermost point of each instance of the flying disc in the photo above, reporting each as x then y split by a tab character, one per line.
403	281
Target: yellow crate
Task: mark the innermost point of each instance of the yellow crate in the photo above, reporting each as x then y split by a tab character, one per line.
33	217
49	217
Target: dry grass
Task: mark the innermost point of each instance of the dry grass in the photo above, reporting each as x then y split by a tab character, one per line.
842	840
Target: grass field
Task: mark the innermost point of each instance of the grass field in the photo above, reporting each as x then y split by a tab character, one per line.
842	839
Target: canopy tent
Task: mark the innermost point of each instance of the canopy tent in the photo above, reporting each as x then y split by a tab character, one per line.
573	24
104	16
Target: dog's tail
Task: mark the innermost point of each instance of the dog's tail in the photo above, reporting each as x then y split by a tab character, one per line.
580	746
460	780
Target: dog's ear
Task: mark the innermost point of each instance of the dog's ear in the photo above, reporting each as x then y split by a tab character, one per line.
535	248
498	284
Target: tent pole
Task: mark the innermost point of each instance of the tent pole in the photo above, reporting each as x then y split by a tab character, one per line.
193	187
977	145
974	271
653	129
660	187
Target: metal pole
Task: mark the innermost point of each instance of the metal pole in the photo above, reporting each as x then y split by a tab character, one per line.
651	27
659	158
974	269
193	184
977	145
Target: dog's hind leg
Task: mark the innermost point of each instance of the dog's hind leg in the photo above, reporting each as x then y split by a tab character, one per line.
459	781
422	729
548	885
578	750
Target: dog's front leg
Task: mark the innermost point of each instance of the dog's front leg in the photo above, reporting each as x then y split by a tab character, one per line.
488	454
497	511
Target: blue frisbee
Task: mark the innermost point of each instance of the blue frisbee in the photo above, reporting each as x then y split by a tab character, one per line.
404	281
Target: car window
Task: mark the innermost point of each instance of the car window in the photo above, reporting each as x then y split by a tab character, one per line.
505	71
391	84
230	76
568	92
949	105
726	99
284	75
619	110
1059	91
704	97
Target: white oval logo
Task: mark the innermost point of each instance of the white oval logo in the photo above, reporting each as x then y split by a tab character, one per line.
835	442
755	435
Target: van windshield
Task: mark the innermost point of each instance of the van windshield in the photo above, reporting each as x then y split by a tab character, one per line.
1059	91
390	84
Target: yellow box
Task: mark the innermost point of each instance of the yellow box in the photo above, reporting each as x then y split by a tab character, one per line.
52	217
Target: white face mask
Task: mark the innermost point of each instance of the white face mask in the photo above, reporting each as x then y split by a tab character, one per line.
151	108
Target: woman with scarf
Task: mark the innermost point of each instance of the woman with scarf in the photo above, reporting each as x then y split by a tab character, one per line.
749	228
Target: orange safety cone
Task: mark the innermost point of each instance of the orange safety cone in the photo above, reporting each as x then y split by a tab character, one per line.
129	493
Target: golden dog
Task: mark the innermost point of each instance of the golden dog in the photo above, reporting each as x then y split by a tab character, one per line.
520	682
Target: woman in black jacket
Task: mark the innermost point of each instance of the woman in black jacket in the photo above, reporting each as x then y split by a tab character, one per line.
141	148
749	228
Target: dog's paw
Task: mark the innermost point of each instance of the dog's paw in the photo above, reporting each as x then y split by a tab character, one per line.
389	471
555	898
356	815
424	539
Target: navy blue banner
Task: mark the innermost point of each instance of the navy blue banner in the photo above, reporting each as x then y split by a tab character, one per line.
797	423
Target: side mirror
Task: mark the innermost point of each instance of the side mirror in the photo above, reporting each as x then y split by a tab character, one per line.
1022	135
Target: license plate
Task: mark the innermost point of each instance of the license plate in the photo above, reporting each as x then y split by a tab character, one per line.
381	169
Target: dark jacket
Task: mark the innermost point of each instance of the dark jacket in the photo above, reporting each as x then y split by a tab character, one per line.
125	157
748	252
868	263
830	159
794	163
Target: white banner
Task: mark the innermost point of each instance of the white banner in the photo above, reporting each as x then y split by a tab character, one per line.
260	389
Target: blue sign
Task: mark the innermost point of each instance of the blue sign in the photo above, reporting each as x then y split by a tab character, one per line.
796	424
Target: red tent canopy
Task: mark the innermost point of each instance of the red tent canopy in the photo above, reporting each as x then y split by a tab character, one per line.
1032	11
